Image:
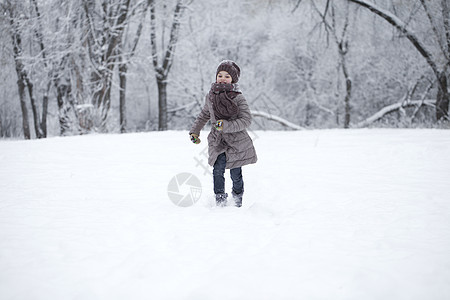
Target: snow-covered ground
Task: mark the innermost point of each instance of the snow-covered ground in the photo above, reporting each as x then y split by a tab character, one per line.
332	214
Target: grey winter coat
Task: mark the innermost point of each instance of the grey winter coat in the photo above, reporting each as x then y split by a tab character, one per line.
233	139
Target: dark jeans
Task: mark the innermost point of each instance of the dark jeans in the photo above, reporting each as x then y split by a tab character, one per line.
219	179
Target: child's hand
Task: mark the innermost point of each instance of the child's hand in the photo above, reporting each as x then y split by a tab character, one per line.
219	125
194	138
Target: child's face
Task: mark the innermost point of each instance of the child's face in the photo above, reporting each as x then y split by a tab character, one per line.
223	77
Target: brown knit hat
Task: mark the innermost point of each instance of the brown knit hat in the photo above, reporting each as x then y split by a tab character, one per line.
231	68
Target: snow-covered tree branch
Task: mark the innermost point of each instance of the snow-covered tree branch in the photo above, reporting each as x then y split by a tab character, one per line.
391	108
443	95
277	119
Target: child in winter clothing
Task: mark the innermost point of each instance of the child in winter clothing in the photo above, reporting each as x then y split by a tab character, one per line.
229	145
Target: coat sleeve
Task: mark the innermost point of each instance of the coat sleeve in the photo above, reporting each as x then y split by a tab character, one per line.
243	120
201	120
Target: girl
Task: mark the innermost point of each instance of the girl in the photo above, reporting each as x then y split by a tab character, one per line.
229	145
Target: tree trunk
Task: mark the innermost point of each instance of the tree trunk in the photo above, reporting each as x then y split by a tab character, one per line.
162	104
162	70
348	85
45	111
122	96
42	124
442	98
34	108
64	120
23	107
17	50
105	100
446	21
308	108
348	82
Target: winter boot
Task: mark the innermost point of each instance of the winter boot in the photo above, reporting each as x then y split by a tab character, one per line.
237	198
221	199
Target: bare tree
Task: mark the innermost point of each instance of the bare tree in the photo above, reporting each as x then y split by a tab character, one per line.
41	65
341	40
124	56
440	70
163	63
105	30
22	75
42	123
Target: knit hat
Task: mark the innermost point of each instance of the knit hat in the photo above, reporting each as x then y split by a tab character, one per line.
231	68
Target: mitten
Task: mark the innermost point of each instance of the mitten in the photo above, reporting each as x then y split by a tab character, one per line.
219	125
194	138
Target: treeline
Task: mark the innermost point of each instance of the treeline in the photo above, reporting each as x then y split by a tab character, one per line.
81	66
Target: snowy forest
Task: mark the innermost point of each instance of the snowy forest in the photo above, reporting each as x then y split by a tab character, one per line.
71	67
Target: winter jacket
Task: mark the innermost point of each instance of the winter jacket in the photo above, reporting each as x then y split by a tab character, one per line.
233	139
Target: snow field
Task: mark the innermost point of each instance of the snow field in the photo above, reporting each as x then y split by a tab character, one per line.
327	214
